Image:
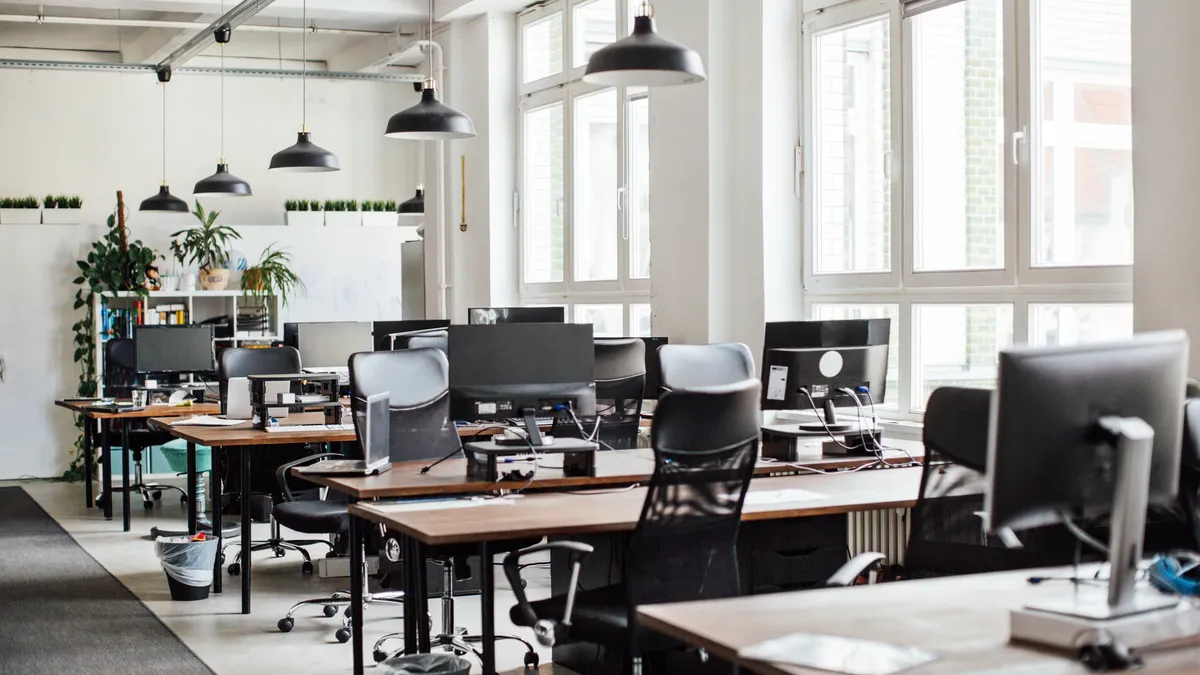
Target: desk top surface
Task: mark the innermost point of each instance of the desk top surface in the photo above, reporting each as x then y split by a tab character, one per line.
965	620
564	513
150	411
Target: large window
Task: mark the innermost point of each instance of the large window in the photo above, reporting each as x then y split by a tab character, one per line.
584	184
968	174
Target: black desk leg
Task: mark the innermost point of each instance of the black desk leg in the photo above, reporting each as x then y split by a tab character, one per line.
244	454
358	582
421	597
106	470
125	515
218	462
409	556
89	461
487	593
191	489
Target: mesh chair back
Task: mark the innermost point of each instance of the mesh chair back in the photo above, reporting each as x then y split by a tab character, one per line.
948	534
246	362
700	366
120	367
684	545
417	382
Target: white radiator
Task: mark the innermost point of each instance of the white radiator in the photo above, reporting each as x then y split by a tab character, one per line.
883	532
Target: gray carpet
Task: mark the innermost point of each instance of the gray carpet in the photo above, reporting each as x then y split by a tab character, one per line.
61	612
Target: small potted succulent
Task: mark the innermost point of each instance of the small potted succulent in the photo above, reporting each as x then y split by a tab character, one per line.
208	246
62	210
20	211
342	213
302	212
379	214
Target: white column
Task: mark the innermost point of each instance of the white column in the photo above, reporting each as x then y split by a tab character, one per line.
1166	168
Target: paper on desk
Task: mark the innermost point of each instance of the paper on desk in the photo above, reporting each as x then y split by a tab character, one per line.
838	654
440	504
205	421
769	497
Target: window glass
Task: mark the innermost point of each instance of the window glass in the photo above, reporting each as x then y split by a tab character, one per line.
542	48
606	320
637	197
639	320
957	346
595	178
595	25
1060	325
543	194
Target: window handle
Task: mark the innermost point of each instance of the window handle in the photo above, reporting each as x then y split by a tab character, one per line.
1018	137
888	158
621	192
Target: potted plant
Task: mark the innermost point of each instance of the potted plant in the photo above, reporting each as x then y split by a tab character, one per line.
344	213
62	210
208	247
302	212
379	214
20	211
271	276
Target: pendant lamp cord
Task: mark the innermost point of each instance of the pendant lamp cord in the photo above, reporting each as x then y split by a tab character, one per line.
164	97
429	47
222	91
304	66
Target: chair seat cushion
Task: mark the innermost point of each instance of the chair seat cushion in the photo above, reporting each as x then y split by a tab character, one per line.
313	517
600	614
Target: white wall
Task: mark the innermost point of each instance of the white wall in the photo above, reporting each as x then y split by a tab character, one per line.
1166	169
92	133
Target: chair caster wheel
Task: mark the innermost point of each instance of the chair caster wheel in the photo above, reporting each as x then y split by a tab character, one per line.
234	569
379	655
183	499
286	624
332	554
307	567
149	506
346	612
342	635
532	660
279	553
157	494
330	611
220	558
524	584
102	502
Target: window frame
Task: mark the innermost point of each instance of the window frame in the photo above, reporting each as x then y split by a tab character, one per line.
567	87
1019	284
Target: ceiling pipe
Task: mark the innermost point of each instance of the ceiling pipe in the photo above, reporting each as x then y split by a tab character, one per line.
184	25
250	72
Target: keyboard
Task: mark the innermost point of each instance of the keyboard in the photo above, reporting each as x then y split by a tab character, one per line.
310	428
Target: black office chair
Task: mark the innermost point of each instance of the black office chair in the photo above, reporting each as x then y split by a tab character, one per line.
439	341
684	546
265	462
418	383
120	380
699	366
620	385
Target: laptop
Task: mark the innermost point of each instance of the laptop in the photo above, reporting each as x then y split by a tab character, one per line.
375	440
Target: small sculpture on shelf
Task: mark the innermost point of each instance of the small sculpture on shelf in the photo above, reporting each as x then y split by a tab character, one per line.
153	282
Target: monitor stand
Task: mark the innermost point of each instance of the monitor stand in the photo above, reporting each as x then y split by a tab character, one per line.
830	424
1135	616
531	426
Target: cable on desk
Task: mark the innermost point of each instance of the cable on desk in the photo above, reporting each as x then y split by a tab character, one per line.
613	491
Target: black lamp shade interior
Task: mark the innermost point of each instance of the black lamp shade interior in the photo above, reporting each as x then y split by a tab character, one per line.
164	201
223	183
645	58
414	205
304	156
430	120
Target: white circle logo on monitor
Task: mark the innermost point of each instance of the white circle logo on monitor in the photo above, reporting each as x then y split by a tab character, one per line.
831	364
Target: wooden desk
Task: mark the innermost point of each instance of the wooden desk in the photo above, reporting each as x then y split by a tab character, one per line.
103	420
963	619
556	514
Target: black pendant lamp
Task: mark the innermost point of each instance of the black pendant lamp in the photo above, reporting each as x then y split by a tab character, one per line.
414	205
430	120
164	201
222	183
305	156
644	59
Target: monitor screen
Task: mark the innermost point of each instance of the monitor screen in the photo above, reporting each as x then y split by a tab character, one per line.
174	349
493	315
329	345
384	330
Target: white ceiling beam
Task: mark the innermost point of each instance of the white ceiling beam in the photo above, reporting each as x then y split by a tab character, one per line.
369	10
154	44
372	52
453	10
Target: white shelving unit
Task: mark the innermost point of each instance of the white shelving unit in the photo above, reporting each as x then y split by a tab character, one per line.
199	306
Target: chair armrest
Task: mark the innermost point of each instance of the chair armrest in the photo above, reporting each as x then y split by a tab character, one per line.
512	570
854	568
282	472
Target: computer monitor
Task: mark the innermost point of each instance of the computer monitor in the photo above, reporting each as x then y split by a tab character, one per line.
521	371
1081	432
814	364
329	345
384	330
172	350
488	316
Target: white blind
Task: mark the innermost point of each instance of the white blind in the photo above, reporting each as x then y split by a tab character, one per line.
915	7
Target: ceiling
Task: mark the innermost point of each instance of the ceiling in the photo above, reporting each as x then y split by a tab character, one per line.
380	27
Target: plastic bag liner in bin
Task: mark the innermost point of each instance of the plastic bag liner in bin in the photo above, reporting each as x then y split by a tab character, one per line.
420	664
188	564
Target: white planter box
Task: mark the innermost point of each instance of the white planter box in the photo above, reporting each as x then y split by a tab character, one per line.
20	216
306	218
62	216
343	218
379	219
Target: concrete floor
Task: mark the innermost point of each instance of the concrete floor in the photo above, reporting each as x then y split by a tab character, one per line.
232	643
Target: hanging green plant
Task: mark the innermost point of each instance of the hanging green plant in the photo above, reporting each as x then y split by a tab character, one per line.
271	276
